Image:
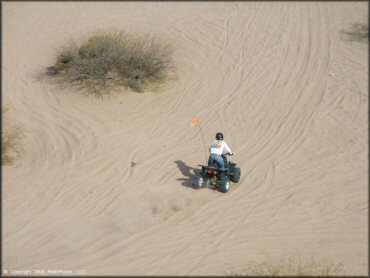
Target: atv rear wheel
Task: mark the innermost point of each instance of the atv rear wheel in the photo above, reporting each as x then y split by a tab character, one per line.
197	181
224	184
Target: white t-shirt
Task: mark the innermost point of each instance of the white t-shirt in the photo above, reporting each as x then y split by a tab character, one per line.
218	147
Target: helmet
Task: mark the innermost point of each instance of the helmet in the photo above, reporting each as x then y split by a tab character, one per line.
219	136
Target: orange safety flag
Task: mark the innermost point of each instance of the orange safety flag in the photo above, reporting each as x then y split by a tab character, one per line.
195	122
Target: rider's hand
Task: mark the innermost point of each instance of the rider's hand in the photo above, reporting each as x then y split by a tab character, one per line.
230	153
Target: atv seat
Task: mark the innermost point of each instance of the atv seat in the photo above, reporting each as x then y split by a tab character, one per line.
217	168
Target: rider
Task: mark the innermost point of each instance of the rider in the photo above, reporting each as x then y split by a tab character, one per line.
217	149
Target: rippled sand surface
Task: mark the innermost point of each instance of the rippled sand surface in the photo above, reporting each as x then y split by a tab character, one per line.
103	185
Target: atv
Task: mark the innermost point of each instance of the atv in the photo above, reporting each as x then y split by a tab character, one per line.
217	178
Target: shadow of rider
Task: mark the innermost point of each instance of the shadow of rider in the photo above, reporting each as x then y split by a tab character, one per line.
188	173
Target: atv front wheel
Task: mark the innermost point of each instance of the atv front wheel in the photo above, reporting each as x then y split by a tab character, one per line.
236	175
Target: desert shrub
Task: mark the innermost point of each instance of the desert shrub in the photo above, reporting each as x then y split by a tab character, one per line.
291	267
10	143
357	32
108	60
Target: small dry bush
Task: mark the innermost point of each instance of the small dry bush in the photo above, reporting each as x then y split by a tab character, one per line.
357	32
10	144
291	267
108	60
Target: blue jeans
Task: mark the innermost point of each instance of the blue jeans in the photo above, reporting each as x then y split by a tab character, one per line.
213	158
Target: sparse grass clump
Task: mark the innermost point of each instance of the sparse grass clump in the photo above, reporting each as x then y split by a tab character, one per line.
358	32
10	144
108	60
291	267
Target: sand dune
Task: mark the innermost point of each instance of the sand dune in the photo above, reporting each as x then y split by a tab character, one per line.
103	184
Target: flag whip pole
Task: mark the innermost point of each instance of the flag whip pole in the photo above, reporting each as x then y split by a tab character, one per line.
204	143
194	123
